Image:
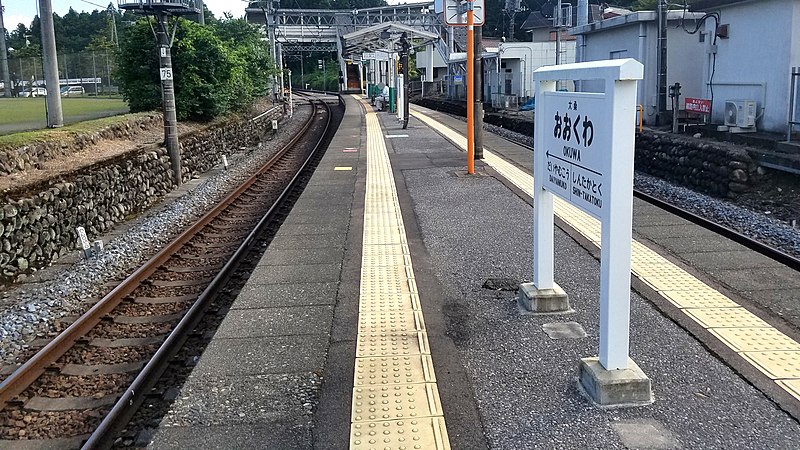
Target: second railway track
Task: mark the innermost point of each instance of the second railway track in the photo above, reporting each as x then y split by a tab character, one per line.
84	386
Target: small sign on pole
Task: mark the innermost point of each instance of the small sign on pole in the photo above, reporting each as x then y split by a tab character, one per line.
455	12
166	73
584	145
698	105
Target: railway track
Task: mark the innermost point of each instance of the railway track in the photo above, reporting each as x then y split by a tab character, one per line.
722	230
83	387
740	238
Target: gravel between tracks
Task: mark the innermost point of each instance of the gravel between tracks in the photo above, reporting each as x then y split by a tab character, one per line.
29	311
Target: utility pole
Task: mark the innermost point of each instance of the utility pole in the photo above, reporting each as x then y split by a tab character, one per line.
405	46
662	62
4	56
478	104
55	117
580	53
558	32
279	64
168	97
470	88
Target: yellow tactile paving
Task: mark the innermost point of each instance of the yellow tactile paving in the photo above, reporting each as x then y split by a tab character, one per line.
755	339
766	348
394	370
392	343
372	322
417	434
395	399
776	365
725	318
395	402
702	299
792	386
389	302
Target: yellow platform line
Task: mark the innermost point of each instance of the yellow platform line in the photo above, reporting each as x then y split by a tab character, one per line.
395	401
766	348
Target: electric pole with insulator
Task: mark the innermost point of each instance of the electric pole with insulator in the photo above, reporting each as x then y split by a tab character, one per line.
4	56
162	11
55	118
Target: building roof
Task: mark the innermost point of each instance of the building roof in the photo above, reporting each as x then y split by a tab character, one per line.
704	5
536	20
630	19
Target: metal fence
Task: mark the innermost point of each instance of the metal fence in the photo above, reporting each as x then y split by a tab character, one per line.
92	70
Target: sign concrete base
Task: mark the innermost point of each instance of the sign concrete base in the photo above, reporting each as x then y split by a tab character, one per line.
623	387
543	300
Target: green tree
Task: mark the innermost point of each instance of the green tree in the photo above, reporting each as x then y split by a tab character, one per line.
217	68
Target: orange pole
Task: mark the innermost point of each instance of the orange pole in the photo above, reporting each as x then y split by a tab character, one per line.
470	91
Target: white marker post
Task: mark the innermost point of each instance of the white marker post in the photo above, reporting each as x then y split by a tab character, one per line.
401	97
84	240
584	154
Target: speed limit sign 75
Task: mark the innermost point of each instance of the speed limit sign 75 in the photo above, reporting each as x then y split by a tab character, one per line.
166	73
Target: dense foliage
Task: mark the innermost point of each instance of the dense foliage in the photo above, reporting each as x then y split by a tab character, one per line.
220	67
75	32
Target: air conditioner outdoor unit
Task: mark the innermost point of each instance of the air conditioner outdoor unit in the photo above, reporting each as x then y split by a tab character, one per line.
740	113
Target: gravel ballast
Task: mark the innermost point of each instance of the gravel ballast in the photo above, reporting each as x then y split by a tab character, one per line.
30	310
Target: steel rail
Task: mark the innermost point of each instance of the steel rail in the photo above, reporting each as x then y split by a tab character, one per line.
26	374
126	406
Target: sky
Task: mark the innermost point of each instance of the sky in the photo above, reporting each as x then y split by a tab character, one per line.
23	11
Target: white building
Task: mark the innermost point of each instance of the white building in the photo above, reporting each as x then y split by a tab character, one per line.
635	36
758	42
508	68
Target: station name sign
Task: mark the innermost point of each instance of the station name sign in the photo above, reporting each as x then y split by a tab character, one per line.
584	147
576	150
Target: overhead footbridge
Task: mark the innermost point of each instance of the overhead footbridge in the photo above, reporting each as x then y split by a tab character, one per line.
350	33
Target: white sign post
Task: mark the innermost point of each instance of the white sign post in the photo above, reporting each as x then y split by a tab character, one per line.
584	154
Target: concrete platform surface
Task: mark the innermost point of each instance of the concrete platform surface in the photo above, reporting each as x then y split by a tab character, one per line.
280	372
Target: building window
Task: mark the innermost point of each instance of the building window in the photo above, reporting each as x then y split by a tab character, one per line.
619	54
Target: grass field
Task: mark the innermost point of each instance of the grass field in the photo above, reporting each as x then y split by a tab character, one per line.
24	114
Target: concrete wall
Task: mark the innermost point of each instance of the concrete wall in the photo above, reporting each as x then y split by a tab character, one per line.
755	61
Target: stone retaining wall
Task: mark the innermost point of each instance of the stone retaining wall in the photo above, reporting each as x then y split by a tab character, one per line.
721	170
39	226
31	156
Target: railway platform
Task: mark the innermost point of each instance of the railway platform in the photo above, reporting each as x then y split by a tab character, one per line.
384	315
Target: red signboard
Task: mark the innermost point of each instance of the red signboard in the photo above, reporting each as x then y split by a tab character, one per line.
698	105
